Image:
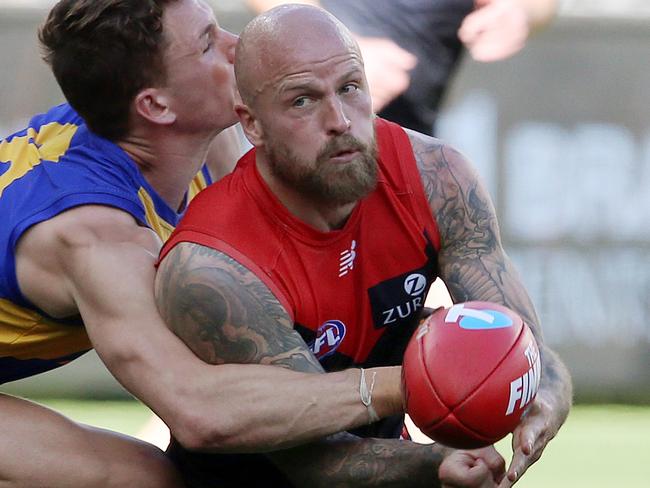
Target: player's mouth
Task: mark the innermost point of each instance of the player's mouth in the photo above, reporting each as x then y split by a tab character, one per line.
344	156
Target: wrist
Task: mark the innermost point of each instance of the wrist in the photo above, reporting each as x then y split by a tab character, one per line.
555	394
552	408
387	392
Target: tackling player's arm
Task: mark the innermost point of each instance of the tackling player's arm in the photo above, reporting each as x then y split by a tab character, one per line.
474	266
227	315
97	262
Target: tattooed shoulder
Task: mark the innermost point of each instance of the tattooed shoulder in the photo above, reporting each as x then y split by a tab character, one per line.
224	312
429	155
441	166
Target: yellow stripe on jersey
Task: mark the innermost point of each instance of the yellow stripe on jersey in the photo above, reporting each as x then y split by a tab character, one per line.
162	228
198	183
26	334
24	152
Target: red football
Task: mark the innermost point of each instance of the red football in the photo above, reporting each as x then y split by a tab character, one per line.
469	372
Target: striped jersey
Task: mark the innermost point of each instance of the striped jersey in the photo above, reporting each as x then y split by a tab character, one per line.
53	165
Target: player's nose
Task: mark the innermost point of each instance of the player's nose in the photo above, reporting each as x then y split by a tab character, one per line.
336	120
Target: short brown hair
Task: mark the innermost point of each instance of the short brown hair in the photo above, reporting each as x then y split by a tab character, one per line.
102	53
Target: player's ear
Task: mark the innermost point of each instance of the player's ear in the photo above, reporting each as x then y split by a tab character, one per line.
153	105
250	124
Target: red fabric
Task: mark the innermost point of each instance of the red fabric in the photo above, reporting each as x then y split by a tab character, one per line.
301	265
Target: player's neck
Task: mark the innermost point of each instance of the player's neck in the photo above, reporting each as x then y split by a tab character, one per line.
168	162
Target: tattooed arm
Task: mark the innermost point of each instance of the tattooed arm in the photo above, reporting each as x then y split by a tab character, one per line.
474	266
225	314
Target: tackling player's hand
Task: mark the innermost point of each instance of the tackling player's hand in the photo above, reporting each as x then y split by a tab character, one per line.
538	426
479	468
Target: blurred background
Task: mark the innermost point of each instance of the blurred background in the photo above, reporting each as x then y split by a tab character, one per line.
560	133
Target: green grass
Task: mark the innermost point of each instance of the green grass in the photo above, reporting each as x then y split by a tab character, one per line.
122	416
599	446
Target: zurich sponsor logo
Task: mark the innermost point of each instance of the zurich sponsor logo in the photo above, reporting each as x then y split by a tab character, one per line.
473	319
414	284
328	338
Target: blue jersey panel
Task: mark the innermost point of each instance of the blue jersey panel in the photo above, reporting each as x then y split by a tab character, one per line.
54	165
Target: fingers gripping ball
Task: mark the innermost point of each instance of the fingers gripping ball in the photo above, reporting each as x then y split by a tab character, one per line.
469	372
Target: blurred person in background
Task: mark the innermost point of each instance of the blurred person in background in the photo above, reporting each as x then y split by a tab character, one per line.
411	48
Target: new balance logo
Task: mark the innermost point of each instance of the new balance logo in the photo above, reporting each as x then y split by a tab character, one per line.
346	263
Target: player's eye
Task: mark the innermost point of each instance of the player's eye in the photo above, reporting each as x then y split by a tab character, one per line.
349	88
210	38
300	102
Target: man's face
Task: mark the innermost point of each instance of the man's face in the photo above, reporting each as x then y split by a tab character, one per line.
317	122
344	170
199	60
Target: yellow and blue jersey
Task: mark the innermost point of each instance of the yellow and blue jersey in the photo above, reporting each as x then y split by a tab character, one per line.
54	165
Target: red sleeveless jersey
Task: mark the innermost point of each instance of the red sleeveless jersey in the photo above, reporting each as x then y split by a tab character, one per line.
353	293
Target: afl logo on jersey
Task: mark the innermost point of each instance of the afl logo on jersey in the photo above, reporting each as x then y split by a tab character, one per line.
328	338
414	284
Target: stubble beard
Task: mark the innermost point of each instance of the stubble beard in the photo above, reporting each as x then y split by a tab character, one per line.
322	180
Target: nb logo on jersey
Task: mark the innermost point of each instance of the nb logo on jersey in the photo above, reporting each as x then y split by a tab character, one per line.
346	263
328	338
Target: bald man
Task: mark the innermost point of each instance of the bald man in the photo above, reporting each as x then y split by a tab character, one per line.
304	256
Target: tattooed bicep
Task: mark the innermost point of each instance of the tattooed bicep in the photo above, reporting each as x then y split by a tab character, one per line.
224	313
428	156
472	262
458	200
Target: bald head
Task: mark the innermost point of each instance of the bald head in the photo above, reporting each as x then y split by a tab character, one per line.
286	36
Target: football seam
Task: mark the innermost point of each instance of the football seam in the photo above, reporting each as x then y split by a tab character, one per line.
503	358
475	390
480	435
452	410
428	379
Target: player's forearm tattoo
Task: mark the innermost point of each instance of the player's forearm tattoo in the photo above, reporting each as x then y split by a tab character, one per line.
369	462
225	314
472	261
